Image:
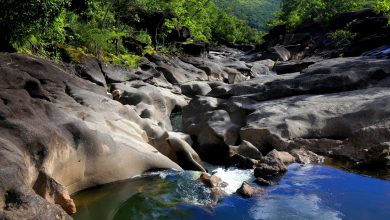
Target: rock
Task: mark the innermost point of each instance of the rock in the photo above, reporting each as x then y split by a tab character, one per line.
117	74
273	165
150	102
197	48
90	70
320	110
345	18
178	72
292	66
283	156
258	70
179	34
242	162
54	192
234	76
367	43
184	155
192	89
378	53
303	156
262	182
267	171
133	45
277	53
214	133
246	149
79	136
268	63
247	190
369	25
213	182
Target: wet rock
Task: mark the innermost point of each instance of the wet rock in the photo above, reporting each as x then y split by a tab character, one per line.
262	182
273	165
269	171
213	182
247	190
303	156
242	162
183	154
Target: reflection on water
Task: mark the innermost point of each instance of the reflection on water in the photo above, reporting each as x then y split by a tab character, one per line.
176	121
375	171
308	192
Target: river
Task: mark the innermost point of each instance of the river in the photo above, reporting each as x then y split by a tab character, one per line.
305	192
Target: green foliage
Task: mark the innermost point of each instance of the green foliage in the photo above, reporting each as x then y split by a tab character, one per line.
208	20
296	12
45	43
144	37
382	6
257	12
342	37
19	20
58	30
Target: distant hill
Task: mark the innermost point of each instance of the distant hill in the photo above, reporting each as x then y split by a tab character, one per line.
257	12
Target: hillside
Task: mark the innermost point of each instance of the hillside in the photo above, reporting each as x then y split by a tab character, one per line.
257	12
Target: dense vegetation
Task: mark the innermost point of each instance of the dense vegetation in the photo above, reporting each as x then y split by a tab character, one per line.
257	12
296	12
66	29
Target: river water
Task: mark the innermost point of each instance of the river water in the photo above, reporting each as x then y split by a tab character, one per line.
305	192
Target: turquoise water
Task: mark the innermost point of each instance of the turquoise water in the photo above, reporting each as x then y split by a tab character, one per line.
308	192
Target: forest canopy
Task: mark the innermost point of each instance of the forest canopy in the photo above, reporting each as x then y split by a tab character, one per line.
109	28
296	12
121	31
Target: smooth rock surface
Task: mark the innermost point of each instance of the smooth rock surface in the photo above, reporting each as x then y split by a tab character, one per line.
56	121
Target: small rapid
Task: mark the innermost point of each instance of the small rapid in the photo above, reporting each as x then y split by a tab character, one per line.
305	192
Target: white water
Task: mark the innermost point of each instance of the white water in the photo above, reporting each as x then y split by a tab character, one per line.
233	177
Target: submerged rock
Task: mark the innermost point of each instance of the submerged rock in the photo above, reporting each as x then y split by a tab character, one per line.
247	190
262	182
215	183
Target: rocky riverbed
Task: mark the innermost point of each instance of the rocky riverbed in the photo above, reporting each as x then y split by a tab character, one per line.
68	127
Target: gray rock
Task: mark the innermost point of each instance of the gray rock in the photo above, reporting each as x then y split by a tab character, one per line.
74	132
90	70
192	89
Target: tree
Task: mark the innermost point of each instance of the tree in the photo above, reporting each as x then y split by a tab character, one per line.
20	19
296	12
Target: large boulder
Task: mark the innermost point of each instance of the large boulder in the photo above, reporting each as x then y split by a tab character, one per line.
150	102
54	121
332	107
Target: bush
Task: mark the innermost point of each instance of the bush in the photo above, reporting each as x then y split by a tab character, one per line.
342	37
19	20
